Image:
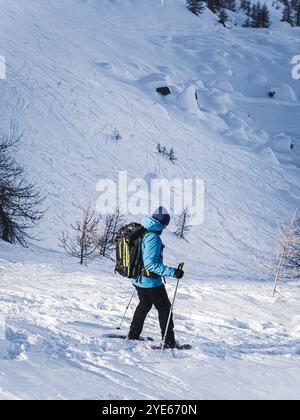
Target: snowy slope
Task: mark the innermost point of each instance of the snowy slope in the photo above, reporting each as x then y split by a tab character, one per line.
73	76
76	71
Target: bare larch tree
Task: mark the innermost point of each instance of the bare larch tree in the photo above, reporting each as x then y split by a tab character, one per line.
110	225
20	201
293	263
182	223
82	243
287	263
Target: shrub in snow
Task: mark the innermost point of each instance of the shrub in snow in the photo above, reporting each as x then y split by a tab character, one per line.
161	149
170	154
116	135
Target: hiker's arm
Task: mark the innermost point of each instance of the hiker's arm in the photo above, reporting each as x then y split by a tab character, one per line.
152	257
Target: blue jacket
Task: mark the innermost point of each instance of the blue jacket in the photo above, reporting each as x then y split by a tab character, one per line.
152	254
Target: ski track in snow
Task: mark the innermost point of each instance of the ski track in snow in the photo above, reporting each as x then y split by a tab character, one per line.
64	313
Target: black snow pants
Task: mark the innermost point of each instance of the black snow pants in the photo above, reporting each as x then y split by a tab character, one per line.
158	297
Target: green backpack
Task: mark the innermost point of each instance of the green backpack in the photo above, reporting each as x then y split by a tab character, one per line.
129	240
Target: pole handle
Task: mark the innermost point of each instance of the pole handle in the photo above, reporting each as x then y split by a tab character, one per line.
181	266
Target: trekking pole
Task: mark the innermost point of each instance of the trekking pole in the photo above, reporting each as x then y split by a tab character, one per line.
180	267
125	313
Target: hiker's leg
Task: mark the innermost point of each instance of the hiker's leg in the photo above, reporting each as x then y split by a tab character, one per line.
163	305
140	315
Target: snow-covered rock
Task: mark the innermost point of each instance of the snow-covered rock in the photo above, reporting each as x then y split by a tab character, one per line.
281	143
187	100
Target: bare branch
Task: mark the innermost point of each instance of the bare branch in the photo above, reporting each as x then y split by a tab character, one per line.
287	263
106	239
82	243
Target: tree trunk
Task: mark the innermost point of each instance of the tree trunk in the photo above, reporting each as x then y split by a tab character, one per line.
5	225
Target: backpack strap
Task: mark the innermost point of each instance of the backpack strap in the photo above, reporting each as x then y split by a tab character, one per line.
148	274
144	272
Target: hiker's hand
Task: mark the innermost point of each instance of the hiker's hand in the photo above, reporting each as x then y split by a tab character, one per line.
179	274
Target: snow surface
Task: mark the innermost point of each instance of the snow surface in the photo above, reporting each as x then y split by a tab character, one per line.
245	344
77	70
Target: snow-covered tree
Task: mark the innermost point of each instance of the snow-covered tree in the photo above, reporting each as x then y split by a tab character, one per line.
259	17
246	6
195	6
265	17
223	17
214	5
297	23
288	14
254	15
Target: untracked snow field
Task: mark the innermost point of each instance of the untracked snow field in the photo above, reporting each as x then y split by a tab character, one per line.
78	70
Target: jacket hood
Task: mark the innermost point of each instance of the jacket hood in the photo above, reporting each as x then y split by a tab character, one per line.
152	225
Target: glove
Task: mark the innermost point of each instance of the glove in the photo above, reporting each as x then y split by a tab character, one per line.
179	274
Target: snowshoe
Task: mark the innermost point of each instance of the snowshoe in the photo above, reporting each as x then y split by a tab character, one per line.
177	347
125	337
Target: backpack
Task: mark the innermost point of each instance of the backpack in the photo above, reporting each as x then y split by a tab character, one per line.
129	240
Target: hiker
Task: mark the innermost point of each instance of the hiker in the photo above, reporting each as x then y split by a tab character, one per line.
149	285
